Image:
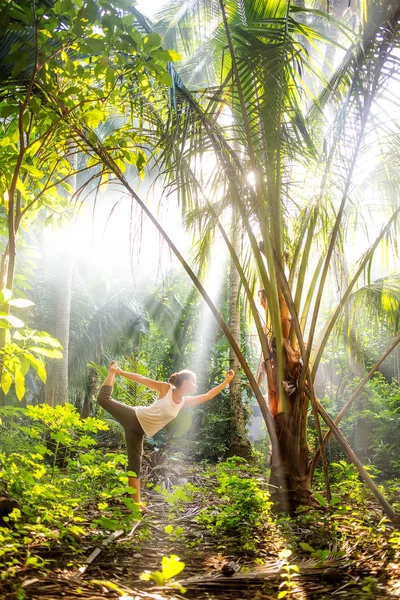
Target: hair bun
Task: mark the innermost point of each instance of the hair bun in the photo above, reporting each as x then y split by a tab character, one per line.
177	379
173	380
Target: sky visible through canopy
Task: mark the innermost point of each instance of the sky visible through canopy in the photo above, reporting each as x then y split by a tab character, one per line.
149	7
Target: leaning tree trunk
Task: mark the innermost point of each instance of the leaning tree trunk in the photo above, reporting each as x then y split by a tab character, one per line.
239	445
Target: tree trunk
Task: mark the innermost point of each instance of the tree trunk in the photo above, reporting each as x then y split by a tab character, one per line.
290	478
91	387
239	445
56	389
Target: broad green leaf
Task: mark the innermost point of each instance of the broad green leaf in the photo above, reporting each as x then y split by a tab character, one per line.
94	117
320	499
166	55
25	366
152	41
120	164
11	320
21	302
171	566
32	170
21	187
96	45
137	38
47	339
6	381
19	383
7	110
37	365
46	352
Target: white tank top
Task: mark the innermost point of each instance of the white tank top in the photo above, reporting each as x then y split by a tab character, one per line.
153	418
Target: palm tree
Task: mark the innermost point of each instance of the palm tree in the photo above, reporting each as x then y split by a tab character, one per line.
294	237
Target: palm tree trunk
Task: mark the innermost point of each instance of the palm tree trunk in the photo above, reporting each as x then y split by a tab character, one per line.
291	482
239	445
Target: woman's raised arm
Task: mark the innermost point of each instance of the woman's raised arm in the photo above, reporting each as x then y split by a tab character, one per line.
159	386
201	398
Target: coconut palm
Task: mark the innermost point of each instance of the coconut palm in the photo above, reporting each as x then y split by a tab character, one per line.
296	206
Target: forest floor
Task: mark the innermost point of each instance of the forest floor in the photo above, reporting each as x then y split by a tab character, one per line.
218	565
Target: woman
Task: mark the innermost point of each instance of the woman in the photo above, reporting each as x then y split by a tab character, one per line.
140	420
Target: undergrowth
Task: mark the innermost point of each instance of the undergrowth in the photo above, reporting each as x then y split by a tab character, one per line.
70	494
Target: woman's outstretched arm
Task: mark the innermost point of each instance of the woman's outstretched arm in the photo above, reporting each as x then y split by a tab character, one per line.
159	386
201	398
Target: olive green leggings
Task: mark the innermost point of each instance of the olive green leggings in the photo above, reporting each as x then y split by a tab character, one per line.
126	416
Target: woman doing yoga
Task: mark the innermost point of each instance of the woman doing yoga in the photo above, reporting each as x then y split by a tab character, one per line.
140	420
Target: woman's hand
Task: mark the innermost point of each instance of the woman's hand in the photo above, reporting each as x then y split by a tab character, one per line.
113	367
229	376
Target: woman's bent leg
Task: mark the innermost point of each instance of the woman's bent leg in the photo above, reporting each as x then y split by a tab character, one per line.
126	416
123	413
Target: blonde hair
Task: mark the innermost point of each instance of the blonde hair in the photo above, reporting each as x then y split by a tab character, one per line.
178	378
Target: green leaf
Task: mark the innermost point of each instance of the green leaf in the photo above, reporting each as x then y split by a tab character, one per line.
36	174
94	117
47	339
166	55
96	45
283	594
25	366
11	320
137	38
7	110
320	499
152	41
21	302
46	352
168	529
171	566
21	187
37	365
306	546
6	381
162	75
19	383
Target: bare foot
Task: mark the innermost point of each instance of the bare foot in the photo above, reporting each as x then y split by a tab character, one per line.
144	509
